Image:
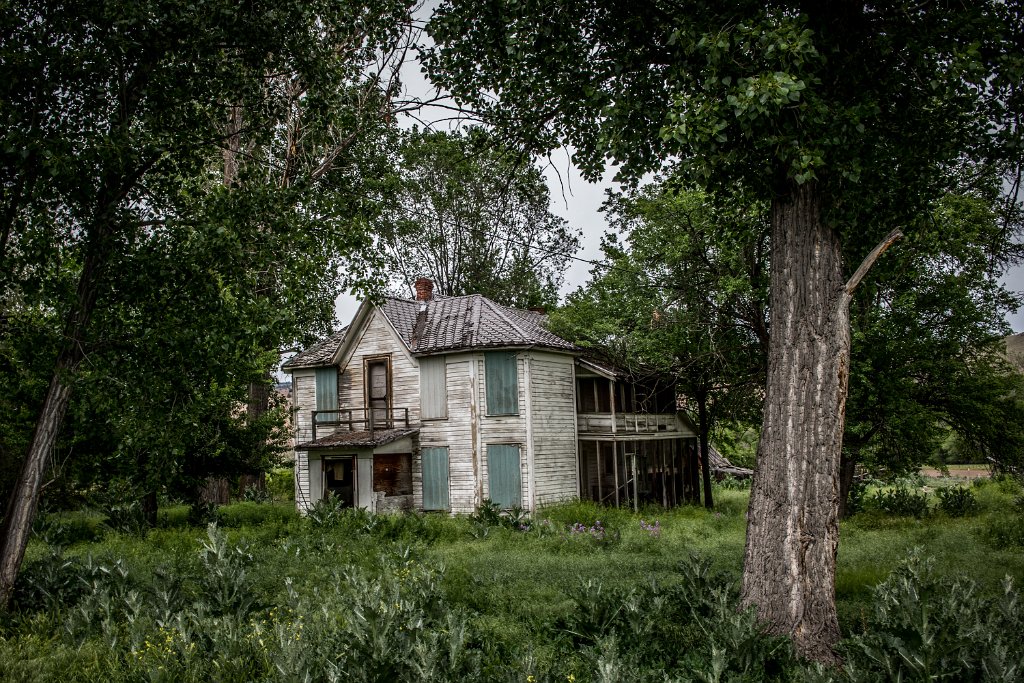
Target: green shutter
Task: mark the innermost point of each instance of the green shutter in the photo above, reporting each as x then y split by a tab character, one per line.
433	392
435	478
502	383
503	475
327	393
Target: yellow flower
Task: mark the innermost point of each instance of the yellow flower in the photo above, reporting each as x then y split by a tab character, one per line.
530	679
570	678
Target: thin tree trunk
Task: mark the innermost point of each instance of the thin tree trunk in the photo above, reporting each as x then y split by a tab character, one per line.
703	433
792	521
847	469
21	508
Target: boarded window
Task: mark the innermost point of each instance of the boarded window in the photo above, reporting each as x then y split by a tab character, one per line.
327	393
502	383
435	478
392	473
503	475
433	391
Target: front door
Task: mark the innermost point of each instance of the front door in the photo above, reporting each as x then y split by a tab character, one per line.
340	479
377	393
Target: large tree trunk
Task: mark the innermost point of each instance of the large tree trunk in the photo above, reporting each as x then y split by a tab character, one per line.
793	518
703	434
792	522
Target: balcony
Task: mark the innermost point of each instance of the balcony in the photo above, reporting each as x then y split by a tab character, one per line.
329	422
630	423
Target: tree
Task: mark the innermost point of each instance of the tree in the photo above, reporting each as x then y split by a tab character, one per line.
928	327
844	117
685	296
475	219
113	164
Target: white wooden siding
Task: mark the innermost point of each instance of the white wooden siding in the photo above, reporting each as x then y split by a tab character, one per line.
503	429
378	339
304	393
456	433
553	423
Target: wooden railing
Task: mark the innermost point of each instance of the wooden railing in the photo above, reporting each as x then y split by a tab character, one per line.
360	419
627	423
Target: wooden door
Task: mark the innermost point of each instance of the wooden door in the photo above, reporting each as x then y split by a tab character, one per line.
377	393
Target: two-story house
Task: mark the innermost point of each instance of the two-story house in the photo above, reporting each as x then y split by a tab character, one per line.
438	403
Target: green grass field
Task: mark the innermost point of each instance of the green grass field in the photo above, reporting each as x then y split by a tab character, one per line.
578	593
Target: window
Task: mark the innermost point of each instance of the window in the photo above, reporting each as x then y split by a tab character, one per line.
433	390
502	383
503	475
392	473
435	478
327	393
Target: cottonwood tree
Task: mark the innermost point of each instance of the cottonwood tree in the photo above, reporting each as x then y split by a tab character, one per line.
844	117
683	293
476	219
113	149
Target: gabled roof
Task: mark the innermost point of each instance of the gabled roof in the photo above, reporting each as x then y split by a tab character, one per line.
320	354
467	322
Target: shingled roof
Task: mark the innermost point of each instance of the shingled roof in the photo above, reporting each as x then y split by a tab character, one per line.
466	322
320	354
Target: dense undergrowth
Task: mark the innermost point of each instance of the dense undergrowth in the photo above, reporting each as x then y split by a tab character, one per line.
578	593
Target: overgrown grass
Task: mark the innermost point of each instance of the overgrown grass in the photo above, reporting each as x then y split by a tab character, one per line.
578	593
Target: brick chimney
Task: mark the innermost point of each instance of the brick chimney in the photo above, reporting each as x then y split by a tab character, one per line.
424	289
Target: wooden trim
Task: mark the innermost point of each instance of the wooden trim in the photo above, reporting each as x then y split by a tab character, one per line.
370	360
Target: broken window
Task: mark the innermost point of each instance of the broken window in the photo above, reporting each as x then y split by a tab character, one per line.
392	473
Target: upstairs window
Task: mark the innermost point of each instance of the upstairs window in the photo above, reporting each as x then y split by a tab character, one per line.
327	393
502	383
433	389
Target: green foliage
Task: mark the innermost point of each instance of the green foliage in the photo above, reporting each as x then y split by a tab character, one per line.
281	483
924	626
957	501
474	218
900	500
418	597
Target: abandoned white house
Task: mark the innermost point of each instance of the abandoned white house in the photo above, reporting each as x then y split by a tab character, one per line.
439	403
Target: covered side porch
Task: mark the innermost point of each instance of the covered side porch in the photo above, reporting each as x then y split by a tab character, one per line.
364	469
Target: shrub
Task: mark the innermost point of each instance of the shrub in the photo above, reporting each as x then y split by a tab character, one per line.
957	501
1004	531
731	483
900	501
281	483
926	628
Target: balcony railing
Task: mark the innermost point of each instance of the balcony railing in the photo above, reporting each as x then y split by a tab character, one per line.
627	423
357	420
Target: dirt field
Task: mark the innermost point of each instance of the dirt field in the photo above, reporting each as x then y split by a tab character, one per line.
958	472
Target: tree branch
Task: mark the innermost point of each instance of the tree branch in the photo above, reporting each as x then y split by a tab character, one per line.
870	259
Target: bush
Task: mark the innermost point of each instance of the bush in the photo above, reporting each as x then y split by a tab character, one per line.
1004	531
957	501
900	501
926	628
281	483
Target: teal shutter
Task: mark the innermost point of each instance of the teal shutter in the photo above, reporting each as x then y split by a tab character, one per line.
433	391
503	475
435	478
327	393
502	383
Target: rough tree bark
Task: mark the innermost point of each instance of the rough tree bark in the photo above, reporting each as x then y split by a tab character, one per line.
793	518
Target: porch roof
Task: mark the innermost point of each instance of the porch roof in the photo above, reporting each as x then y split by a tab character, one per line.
363	439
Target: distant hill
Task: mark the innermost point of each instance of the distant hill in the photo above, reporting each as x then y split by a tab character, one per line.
1015	350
